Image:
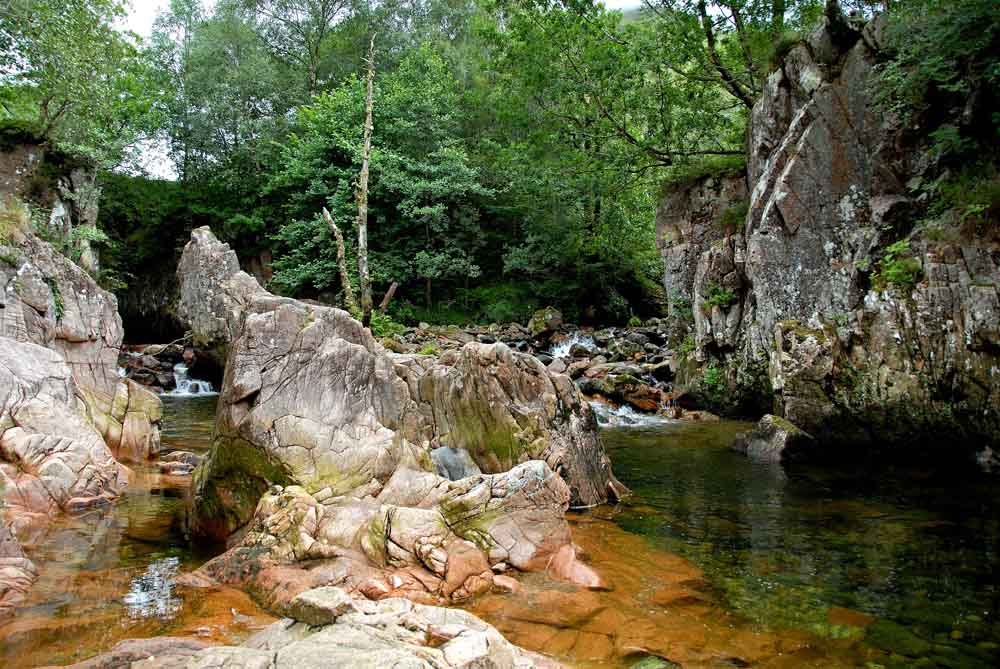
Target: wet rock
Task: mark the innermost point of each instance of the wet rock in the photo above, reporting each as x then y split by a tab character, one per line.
545	322
388	633
155	653
53	303
775	440
47	440
17	573
454	463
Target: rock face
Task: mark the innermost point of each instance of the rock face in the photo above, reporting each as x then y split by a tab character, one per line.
48	300
328	629
311	404
52	458
794	300
691	218
213	293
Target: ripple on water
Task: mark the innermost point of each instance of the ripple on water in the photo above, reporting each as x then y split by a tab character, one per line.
152	593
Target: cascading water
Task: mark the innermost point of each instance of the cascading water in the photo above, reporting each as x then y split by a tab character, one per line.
624	416
561	350
187	387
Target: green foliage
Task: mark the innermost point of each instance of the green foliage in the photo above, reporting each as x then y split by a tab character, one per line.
734	217
713	382
14	215
634	322
717	296
428	349
383	325
74	79
687	346
945	54
57	298
965	201
898	267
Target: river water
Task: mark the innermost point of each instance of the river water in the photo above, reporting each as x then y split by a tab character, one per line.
713	562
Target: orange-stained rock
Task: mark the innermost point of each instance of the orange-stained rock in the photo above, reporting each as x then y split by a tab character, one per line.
838	615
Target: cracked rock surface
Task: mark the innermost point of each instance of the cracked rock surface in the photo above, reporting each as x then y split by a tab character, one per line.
332	436
329	629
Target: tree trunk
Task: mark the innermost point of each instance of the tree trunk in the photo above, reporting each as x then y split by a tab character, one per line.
777	19
388	297
345	278
362	195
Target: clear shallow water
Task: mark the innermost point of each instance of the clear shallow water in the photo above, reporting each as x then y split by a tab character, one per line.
916	550
107	575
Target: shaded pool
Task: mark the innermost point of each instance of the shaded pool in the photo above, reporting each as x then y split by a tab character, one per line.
812	548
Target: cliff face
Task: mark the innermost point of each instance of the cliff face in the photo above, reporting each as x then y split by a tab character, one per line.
794	299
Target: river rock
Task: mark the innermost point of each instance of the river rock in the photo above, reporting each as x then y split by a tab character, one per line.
349	634
775	439
57	459
17	573
545	322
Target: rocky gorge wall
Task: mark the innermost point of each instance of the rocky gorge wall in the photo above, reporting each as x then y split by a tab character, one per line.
789	308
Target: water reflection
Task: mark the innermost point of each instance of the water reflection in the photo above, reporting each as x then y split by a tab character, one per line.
916	550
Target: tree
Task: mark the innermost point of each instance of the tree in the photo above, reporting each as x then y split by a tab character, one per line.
423	189
362	194
84	85
297	32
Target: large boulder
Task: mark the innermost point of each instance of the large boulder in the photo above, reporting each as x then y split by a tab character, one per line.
311	403
774	439
545	321
213	293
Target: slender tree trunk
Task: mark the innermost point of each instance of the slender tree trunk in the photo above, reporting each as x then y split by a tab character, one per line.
362	194
777	18
345	278
389	294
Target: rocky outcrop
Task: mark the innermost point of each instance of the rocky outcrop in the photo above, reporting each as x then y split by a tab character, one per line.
52	457
775	439
692	216
50	301
213	294
312	404
796	298
329	629
506	408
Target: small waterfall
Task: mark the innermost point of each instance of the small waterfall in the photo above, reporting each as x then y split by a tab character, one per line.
625	416
561	350
187	387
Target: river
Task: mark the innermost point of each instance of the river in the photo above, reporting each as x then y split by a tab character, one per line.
714	561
